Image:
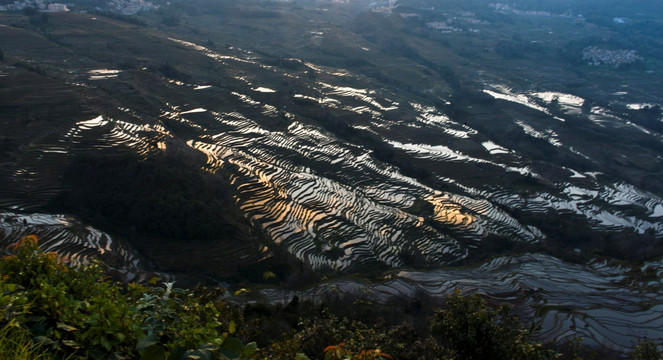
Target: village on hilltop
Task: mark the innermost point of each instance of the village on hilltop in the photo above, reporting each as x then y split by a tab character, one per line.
597	56
41	5
125	7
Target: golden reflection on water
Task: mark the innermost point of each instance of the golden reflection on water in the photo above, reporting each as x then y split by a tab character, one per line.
101	74
450	213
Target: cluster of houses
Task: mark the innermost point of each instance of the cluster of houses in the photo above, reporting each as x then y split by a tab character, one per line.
443	26
42	5
384	7
597	56
131	7
506	9
126	7
458	23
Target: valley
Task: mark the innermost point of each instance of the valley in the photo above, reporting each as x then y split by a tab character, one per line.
360	144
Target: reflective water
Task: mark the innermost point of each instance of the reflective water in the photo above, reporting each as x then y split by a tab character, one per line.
590	300
102	74
75	242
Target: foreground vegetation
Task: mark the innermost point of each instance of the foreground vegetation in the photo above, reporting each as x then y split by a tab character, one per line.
51	309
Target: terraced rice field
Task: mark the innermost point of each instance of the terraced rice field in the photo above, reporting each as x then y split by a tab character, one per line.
330	201
345	172
587	300
334	204
76	242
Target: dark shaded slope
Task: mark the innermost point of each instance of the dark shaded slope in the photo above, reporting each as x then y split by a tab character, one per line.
82	139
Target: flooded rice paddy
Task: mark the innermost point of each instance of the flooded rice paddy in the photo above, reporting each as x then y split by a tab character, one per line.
75	242
590	300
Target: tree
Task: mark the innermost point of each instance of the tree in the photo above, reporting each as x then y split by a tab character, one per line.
39	19
76	312
473	330
171	20
646	350
30	11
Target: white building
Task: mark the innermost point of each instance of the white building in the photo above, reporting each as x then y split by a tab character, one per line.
56	7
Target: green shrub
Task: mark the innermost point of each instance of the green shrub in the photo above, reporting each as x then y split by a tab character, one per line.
70	309
338	352
473	330
76	311
15	344
646	350
315	331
